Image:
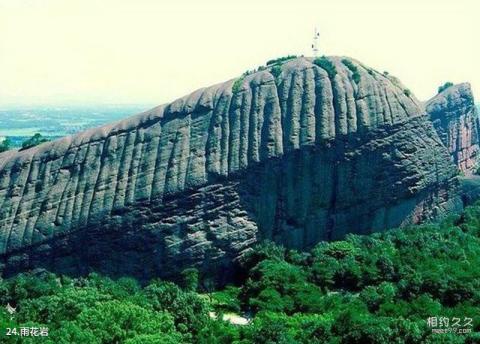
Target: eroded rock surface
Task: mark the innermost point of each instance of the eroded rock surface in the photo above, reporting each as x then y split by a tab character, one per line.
455	117
297	157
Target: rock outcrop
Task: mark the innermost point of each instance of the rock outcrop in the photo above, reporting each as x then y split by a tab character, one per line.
455	118
296	154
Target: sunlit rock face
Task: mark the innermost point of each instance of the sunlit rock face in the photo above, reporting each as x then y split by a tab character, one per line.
455	118
290	153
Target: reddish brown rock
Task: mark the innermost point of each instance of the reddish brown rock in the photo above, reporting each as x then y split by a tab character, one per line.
455	118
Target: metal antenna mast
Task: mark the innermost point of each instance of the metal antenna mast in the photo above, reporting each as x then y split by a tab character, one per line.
315	43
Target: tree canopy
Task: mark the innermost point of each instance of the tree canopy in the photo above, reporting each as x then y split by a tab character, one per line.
5	145
33	141
380	288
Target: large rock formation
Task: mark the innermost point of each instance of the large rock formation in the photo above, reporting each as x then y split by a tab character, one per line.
455	117
290	153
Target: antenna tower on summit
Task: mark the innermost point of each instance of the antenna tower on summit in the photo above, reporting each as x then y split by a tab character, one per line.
315	43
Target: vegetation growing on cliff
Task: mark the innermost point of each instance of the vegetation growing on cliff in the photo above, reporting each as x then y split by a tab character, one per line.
355	74
327	65
380	288
445	86
35	140
276	71
237	84
280	60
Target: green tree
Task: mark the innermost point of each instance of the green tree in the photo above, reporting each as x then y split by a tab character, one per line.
189	311
116	321
218	332
190	279
5	145
33	141
270	328
227	300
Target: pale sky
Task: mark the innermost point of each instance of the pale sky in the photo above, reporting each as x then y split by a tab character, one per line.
146	51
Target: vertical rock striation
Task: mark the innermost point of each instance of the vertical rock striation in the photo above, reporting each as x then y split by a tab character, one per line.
295	156
455	118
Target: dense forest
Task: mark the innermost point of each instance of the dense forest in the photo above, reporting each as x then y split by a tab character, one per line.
382	288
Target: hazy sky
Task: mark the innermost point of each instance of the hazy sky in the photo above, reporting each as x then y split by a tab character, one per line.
145	51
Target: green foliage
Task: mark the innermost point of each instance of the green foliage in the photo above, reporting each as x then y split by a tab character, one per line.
237	85
354	69
35	140
219	332
407	92
97	309
115	321
276	71
227	300
189	311
274	66
190	279
327	65
445	86
280	60
5	145
379	288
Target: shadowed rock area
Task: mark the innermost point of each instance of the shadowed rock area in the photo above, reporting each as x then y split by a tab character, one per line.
292	153
455	118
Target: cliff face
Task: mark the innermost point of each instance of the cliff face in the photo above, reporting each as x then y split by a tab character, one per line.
455	118
298	157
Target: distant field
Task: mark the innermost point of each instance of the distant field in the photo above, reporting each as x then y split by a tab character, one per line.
20	123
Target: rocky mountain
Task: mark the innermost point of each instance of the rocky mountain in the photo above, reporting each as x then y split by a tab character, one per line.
455	117
297	152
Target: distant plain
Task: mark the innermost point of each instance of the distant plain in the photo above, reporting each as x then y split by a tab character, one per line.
19	123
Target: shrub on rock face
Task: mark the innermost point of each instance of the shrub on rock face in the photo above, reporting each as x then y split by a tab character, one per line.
276	71
354	69
280	59
327	65
444	86
237	85
35	140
